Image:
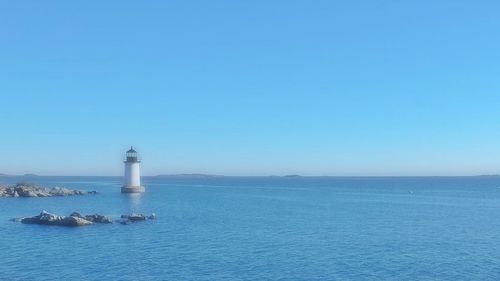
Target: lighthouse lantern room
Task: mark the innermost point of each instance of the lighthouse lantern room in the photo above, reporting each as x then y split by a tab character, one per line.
132	181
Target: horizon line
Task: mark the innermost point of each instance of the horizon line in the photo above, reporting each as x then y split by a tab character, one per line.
200	175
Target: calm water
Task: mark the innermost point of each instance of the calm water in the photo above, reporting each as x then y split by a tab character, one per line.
239	228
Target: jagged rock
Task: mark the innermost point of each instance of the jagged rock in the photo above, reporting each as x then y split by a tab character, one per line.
76	214
127	219
62	191
98	218
49	218
43	218
25	192
74	219
136	217
30	190
46	218
77	219
32	220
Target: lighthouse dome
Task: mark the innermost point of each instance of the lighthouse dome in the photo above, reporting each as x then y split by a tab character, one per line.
132	155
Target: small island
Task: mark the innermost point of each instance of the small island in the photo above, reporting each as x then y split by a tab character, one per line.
31	190
77	219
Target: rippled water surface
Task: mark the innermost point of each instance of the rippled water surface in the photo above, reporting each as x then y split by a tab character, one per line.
262	228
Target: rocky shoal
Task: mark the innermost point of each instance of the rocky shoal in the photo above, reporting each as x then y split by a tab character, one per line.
76	219
31	190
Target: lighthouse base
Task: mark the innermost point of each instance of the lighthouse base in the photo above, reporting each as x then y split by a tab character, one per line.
133	189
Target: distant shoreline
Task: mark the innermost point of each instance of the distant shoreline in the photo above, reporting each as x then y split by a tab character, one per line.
262	176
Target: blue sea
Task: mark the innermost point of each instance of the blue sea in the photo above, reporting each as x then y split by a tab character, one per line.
261	228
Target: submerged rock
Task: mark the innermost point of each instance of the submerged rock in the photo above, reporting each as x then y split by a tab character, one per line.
31	190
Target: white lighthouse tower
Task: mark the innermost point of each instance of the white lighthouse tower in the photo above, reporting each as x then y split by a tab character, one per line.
132	181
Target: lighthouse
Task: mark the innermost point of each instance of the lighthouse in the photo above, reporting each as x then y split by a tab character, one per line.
132	181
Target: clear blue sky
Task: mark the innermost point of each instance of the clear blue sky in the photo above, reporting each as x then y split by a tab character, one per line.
250	87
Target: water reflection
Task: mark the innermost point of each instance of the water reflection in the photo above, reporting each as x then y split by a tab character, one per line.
133	201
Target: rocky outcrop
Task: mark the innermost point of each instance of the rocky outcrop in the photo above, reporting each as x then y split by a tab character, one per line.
47	218
98	218
77	219
30	190
93	218
134	217
127	219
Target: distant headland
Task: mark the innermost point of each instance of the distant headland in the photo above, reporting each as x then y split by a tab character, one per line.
217	176
24	175
190	175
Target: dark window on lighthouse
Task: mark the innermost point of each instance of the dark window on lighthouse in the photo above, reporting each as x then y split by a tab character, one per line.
131	155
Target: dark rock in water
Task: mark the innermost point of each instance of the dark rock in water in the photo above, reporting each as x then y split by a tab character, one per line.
137	217
61	191
127	219
75	219
26	192
32	220
133	216
93	218
30	190
76	214
47	218
98	218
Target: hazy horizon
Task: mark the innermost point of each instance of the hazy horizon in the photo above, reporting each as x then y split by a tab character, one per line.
235	175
